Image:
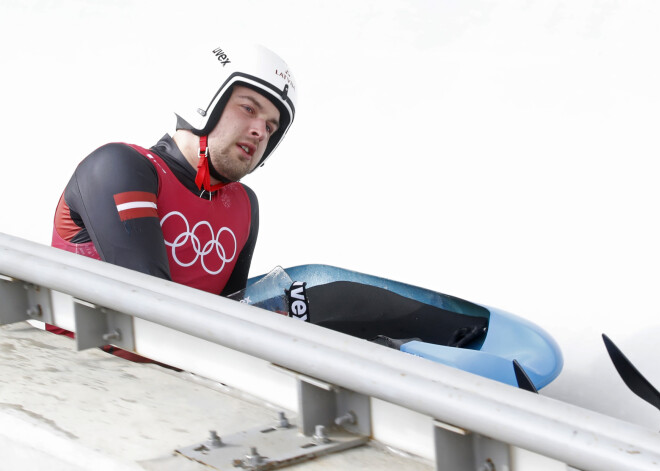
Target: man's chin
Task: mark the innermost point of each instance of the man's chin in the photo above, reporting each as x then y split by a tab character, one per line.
234	172
238	173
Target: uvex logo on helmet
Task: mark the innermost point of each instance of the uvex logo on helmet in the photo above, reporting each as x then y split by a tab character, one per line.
221	56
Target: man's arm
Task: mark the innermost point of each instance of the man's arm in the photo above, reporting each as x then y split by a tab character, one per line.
106	179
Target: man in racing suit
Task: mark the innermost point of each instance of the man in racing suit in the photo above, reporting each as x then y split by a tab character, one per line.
177	210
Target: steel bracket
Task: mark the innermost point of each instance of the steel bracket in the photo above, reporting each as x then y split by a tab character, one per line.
322	403
21	301
331	419
272	446
97	326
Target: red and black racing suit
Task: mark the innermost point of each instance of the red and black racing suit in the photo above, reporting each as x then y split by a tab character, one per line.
141	209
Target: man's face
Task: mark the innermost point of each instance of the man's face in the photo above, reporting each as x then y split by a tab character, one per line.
239	140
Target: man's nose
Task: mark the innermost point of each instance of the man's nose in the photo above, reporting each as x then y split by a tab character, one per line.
259	128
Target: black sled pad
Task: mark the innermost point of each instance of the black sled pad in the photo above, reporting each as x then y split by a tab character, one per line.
370	313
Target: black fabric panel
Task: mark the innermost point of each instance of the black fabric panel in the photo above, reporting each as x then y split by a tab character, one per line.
367	312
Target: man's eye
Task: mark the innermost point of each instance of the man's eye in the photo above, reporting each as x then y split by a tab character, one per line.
248	108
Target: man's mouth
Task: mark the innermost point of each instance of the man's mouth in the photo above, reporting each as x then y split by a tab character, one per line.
247	149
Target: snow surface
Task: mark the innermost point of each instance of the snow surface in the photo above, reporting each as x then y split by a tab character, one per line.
502	152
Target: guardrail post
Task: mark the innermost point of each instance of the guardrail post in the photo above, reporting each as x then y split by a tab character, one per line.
20	301
457	448
97	326
322	403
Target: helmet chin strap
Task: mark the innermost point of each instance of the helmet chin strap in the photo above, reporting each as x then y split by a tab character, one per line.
205	169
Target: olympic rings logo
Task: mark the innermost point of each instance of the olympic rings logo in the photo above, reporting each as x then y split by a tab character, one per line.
188	239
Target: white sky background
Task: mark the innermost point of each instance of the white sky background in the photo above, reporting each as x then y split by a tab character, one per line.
502	152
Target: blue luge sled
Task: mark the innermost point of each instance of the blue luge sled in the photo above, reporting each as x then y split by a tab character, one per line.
508	337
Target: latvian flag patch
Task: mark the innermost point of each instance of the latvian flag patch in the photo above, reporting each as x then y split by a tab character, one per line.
136	204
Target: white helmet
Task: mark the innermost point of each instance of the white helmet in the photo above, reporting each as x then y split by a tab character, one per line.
253	66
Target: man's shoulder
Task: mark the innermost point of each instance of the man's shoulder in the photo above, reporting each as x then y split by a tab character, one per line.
115	149
117	155
247	189
116	165
252	197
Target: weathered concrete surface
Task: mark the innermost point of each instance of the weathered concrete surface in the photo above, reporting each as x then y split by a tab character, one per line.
91	410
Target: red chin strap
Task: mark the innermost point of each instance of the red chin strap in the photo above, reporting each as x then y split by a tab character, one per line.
203	178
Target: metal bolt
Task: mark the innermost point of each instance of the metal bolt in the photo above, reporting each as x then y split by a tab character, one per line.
114	335
34	311
282	421
253	458
214	440
320	435
202	449
488	465
346	419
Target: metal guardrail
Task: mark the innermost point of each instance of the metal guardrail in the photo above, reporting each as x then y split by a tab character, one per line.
581	438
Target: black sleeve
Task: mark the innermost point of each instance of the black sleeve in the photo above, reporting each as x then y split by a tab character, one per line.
136	243
239	276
